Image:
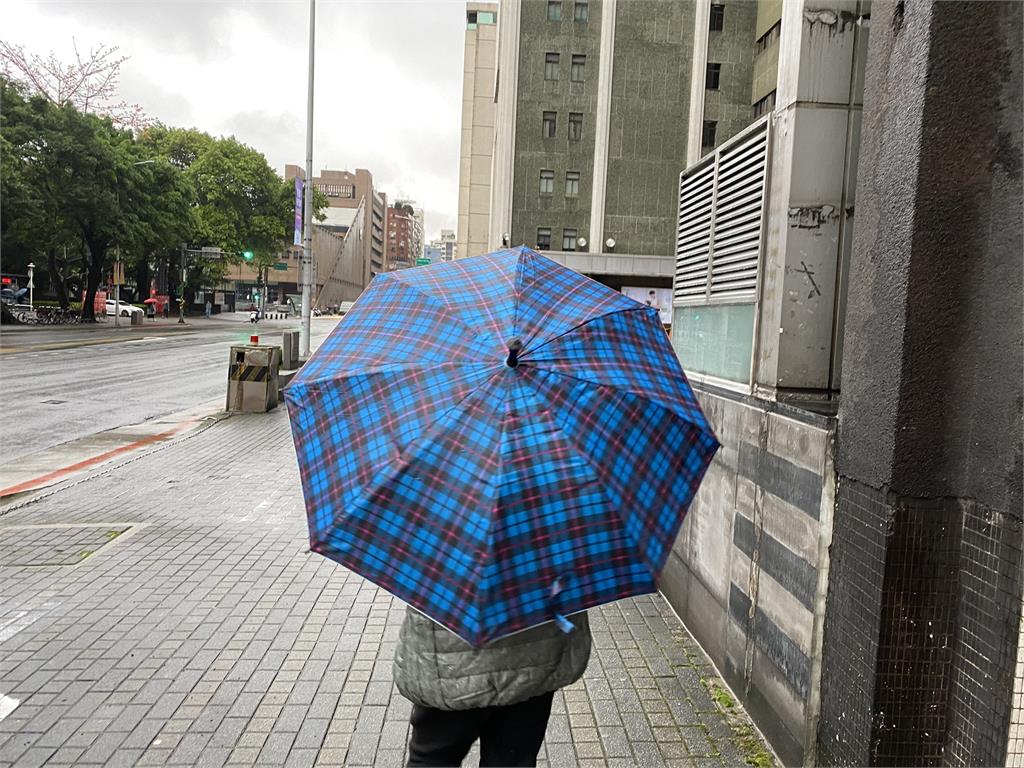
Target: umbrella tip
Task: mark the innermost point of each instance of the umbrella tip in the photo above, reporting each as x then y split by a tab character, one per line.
513	352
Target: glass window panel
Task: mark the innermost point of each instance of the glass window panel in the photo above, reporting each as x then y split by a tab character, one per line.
716	340
554	10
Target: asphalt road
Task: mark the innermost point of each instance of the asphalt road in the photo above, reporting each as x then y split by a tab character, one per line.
62	384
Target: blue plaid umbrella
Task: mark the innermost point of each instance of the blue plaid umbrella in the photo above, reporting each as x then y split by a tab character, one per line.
498	441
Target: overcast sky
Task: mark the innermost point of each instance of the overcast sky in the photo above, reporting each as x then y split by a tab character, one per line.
388	78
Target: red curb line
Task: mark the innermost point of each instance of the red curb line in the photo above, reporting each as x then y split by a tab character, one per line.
37	482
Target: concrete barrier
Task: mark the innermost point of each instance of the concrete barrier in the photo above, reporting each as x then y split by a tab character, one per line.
253	378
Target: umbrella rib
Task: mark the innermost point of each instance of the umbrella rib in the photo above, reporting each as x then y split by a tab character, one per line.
580	325
580	452
380	474
447	310
642	395
388	368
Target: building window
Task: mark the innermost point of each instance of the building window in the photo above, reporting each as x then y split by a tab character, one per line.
554	10
765	105
579	62
717	18
485	17
547	182
572	183
708	134
549	125
470	19
764	42
568	239
543	239
551	66
714	75
581	11
575	126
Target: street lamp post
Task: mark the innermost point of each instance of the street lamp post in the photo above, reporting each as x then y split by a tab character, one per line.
181	290
307	199
31	285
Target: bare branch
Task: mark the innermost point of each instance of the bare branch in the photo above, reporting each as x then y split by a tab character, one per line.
89	82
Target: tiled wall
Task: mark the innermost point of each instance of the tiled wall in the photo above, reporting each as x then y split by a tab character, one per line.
749	570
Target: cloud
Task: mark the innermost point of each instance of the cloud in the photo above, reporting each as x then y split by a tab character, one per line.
388	82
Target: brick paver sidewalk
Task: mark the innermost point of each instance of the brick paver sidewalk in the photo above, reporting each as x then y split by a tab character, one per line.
167	611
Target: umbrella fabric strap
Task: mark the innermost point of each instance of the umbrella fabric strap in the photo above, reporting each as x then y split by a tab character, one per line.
563	623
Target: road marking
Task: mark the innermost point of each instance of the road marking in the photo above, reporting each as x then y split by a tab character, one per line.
29	485
7	705
147	338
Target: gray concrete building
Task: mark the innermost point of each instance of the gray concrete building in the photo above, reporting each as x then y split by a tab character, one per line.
477	138
591	133
852	561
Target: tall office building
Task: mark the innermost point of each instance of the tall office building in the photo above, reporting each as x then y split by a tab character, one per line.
592	117
345	193
478	88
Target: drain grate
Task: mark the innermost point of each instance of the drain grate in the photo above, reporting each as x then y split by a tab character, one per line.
46	545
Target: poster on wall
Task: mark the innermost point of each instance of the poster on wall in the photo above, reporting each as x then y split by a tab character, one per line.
659	298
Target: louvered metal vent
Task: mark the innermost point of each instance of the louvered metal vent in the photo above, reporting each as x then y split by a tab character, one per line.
721	208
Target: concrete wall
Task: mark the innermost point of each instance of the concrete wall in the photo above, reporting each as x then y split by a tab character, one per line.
922	629
749	570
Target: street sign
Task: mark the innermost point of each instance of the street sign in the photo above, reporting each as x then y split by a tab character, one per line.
422	261
280	265
118	273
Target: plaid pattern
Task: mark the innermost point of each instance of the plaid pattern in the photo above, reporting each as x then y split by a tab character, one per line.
492	498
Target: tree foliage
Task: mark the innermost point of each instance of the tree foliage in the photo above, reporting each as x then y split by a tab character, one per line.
75	183
74	177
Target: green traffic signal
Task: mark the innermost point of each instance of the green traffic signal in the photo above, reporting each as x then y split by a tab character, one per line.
247	255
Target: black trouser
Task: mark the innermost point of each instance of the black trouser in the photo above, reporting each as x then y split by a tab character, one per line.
508	736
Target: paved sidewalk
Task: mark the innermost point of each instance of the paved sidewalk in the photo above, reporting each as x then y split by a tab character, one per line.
166	611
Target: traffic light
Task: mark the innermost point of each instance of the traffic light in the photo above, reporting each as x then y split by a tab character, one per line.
247	255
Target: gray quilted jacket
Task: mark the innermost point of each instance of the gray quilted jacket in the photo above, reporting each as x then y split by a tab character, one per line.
436	668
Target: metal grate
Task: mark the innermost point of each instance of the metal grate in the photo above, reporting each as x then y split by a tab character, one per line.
721	214
1015	742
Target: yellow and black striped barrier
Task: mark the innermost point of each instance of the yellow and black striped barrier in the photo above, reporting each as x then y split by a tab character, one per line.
243	372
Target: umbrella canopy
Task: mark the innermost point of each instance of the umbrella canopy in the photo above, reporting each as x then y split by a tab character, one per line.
498	441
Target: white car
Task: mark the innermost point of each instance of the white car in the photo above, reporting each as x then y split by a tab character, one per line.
127	310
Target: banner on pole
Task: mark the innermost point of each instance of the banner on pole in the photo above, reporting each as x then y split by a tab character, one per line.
298	212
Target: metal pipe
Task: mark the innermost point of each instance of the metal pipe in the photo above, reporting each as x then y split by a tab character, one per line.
307	199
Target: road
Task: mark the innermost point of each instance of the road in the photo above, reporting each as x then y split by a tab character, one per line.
100	379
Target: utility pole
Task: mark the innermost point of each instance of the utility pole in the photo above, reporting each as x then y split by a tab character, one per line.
307	199
117	289
181	290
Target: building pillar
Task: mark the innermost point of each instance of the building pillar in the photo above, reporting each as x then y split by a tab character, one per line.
602	121
814	138
503	156
922	617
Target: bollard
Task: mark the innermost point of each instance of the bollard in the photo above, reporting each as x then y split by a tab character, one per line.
290	350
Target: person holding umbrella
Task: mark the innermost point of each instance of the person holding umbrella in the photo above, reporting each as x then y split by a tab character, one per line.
501	443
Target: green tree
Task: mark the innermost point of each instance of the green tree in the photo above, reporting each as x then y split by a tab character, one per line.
76	177
241	202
